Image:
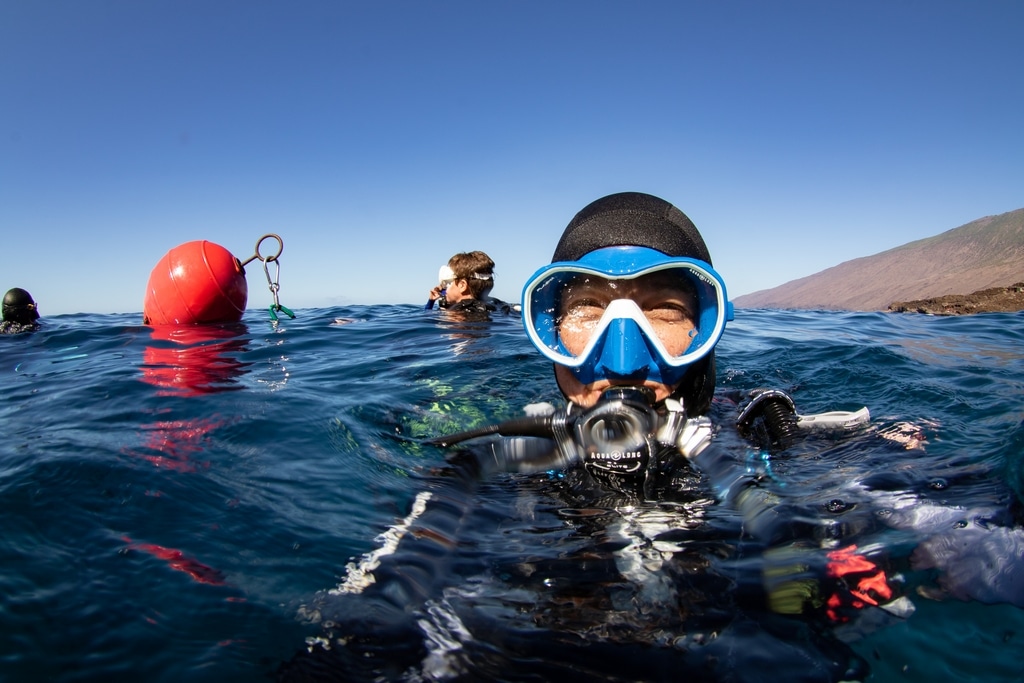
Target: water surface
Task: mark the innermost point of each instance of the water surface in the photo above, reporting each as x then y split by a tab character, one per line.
172	500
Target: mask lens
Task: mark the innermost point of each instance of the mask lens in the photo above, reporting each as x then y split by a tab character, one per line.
664	306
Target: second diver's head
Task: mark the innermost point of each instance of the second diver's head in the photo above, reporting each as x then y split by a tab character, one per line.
19	307
472	276
630	299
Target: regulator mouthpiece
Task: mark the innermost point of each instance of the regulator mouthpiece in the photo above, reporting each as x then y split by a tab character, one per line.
617	437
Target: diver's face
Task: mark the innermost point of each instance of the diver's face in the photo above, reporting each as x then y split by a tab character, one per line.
666	302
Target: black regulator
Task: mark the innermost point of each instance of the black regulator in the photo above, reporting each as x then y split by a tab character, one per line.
617	440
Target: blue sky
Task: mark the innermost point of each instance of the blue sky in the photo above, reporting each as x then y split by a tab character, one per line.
378	138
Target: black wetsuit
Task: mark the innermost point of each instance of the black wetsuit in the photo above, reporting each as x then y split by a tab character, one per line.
9	327
618	587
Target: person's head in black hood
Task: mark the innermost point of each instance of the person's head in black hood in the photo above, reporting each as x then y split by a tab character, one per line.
19	308
629	299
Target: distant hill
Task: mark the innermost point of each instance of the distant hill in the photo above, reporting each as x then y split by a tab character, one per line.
985	253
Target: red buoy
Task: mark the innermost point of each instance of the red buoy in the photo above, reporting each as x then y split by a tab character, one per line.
195	282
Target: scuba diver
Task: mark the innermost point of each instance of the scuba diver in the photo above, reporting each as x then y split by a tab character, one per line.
654	569
465	284
20	312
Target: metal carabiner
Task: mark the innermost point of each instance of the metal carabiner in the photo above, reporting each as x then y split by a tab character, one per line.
272	282
274	287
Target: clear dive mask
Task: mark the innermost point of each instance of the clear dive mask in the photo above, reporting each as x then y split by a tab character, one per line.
626	313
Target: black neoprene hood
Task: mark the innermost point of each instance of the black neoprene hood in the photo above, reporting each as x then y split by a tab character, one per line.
16	306
631	219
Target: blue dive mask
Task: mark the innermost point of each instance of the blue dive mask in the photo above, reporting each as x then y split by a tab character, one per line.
626	313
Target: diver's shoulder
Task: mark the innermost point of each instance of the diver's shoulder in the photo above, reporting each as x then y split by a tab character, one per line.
9	327
489	305
501	306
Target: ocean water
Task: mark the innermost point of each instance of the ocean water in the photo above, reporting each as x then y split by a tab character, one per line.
173	502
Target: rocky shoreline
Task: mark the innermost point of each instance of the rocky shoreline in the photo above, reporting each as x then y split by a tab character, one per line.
994	300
